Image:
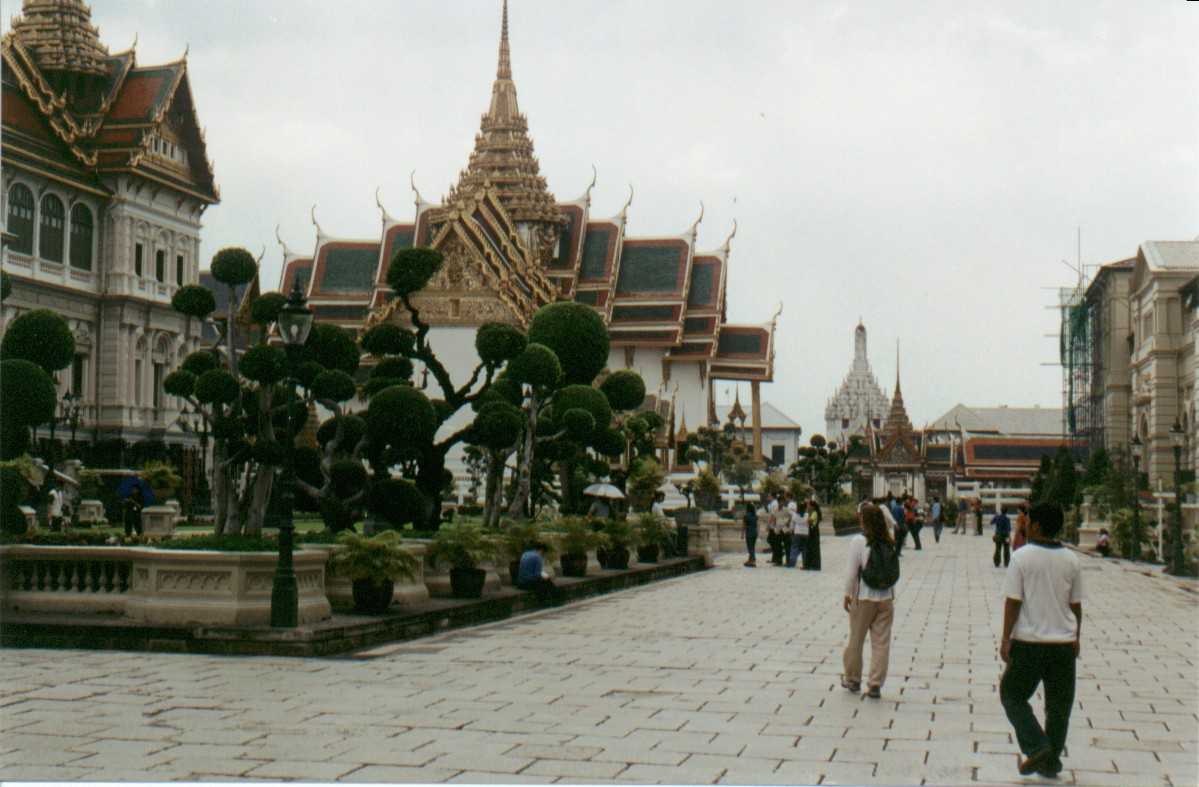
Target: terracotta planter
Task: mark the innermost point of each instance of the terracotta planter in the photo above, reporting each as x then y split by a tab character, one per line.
616	559
647	554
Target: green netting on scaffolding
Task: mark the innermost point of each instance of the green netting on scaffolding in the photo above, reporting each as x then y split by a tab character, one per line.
1074	348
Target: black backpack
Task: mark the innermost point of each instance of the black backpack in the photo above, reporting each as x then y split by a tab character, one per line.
881	571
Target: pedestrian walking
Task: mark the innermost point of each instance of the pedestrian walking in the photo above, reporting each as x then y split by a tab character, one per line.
959	525
870	601
978	516
901	522
751	534
811	557
799	534
772	523
914	519
1002	527
1020	531
938	518
892	525
55	503
1042	626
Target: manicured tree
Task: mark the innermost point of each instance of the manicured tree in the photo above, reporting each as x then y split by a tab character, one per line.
234	267
1063	486
27	400
408	273
539	373
42	337
5	286
1098	465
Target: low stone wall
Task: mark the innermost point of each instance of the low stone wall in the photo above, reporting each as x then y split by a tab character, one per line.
156	586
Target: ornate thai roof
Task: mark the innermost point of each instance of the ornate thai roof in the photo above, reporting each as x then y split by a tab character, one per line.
103	113
61	37
503	158
859	400
899	442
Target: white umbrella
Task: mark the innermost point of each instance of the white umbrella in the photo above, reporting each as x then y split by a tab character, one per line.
604	490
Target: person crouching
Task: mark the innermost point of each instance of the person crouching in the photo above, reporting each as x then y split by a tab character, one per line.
532	576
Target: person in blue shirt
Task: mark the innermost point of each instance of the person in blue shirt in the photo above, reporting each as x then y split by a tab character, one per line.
1003	533
938	519
532	576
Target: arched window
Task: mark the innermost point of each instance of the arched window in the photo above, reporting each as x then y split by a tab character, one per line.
160	265
20	218
50	230
81	237
179	269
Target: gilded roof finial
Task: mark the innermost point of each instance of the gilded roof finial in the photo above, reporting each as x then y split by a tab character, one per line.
695	226
897	393
282	243
261	254
728	241
320	233
624	212
386	218
412	182
504	71
587	194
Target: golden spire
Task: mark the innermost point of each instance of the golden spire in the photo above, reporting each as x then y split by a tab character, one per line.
503	158
60	36
897	420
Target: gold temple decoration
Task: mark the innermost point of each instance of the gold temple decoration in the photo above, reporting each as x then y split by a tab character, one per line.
61	37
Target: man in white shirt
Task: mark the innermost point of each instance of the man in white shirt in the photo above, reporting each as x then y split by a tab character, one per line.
772	525
55	509
1042	624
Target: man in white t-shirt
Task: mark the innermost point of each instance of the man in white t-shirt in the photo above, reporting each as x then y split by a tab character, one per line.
1042	623
772	525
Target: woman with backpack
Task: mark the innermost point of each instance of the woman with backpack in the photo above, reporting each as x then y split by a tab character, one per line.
869	600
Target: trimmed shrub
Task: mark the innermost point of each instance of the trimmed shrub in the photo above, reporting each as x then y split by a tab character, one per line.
610	442
234	266
393	368
270	452
401	416
397	502
497	426
217	386
376	384
536	366
579	424
264	364
576	334
389	339
307	372
27	394
42	337
266	307
335	385
5	286
194	300
347	477
180	383
199	362
333	348
496	342
226	427
353	430
625	390
583	397
14	438
411	269
12	494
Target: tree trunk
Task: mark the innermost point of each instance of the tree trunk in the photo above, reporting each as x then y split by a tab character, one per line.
428	481
493	459
520	498
220	483
259	491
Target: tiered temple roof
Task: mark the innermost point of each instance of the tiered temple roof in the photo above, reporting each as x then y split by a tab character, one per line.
859	402
144	121
510	248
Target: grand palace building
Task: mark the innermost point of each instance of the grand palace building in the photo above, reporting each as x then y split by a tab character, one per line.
511	246
105	181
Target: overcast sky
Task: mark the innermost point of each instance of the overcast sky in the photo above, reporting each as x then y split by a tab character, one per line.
924	166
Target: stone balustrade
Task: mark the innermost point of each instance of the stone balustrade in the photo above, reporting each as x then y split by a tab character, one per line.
71	579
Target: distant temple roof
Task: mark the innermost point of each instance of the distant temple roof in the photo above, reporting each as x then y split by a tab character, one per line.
772	417
1005	421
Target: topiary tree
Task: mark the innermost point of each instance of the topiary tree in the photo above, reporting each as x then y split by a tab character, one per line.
5	286
42	337
577	335
27	400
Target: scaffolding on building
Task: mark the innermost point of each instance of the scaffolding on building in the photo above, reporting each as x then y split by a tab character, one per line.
1081	363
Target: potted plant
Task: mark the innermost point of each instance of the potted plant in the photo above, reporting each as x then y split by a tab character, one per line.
463	546
515	539
707	490
645	476
690	514
577	537
162	478
618	536
372	564
652	535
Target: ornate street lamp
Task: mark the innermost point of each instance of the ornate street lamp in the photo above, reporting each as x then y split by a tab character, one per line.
294	321
1138	449
1177	437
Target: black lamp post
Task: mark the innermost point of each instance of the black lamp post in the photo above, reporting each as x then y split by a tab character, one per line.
1177	437
294	321
1137	449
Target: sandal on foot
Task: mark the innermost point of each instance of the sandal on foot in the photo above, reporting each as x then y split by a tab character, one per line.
875	692
852	685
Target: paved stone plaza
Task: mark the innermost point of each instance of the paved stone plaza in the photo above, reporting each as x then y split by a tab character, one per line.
729	676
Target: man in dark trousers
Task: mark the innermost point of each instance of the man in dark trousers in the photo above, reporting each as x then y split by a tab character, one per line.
1042	625
1003	536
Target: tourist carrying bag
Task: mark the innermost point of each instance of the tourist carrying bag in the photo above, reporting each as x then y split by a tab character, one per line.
881	571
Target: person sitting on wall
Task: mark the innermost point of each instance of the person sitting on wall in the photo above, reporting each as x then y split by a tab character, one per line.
532	576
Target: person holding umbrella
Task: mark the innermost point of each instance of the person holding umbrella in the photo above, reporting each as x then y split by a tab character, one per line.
601	508
134	494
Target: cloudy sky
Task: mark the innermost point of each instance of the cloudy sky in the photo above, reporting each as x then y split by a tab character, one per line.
923	166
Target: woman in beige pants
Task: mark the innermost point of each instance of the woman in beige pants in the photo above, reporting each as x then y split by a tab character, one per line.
870	609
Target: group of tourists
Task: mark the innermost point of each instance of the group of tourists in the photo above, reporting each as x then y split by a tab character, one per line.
792	531
1042	615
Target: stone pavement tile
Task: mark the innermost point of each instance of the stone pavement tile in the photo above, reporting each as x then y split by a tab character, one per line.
1133	744
49	743
1105	779
566	752
846	773
575	769
108	748
37	773
388	774
383	755
146	733
483	777
197	751
632	754
680	774
206	765
778	747
1136	762
304	770
856	751
699	743
714	724
470	760
44	757
72	727
739	770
